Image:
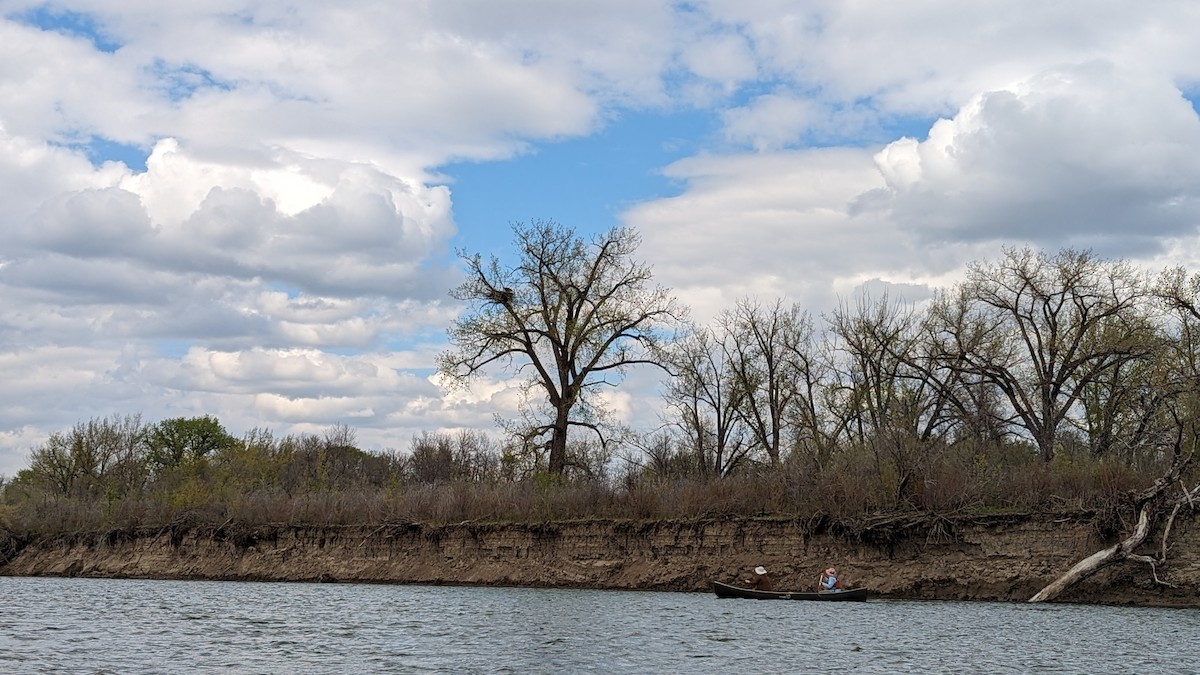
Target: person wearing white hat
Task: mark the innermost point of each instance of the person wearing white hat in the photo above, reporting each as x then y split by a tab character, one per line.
760	581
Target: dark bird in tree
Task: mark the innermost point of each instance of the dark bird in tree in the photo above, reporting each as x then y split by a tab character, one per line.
503	296
580	314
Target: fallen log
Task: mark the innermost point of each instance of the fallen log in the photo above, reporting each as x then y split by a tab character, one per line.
1099	560
1148	505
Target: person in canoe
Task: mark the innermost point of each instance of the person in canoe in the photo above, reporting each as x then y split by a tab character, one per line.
829	580
760	581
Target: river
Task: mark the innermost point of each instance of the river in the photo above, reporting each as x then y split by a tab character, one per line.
52	625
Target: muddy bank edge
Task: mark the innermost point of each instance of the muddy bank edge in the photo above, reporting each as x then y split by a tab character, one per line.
998	558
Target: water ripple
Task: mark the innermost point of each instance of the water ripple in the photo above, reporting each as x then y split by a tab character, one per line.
121	626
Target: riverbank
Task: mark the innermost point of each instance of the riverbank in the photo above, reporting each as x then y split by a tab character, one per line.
999	558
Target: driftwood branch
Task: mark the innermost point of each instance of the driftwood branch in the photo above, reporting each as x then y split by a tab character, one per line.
1148	504
1166	538
1099	560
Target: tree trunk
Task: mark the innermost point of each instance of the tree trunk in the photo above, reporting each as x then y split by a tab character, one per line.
1045	438
1101	559
1148	504
558	444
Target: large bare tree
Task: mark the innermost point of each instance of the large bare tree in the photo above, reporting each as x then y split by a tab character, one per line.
1041	329
571	314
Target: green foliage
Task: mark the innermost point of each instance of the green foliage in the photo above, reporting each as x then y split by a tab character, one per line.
172	441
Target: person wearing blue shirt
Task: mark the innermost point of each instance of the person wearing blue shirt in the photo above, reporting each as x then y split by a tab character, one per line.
829	580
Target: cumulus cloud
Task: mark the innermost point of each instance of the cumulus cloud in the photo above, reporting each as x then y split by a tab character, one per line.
769	225
281	258
33	172
113	270
1090	156
89	224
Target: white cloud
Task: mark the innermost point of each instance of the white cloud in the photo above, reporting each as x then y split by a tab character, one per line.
174	185
281	261
33	172
723	58
344	409
771	122
768	225
931	57
1090	156
89	223
59	88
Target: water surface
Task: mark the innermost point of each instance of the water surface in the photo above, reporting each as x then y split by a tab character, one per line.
52	625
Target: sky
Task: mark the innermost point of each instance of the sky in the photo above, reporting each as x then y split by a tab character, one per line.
251	209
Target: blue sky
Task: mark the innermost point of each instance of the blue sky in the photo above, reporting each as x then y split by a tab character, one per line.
586	183
71	23
250	210
589	182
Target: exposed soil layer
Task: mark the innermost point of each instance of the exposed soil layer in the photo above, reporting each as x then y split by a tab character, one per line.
1005	558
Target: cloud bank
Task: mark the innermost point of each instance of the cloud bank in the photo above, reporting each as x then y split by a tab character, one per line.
236	208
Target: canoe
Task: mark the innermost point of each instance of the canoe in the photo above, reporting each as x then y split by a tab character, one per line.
730	591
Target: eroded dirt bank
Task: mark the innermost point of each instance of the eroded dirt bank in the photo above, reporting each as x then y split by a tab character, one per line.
994	558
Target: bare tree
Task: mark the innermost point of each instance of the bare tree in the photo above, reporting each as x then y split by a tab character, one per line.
572	314
885	373
1041	329
704	398
1132	411
814	429
1179	295
463	456
978	407
890	397
94	455
769	349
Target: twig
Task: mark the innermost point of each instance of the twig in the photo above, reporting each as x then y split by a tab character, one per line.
1166	537
372	534
1149	560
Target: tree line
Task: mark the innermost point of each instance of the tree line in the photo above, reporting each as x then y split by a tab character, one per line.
1041	380
1063	352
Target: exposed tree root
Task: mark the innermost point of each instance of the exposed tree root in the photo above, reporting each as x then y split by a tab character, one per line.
10	544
